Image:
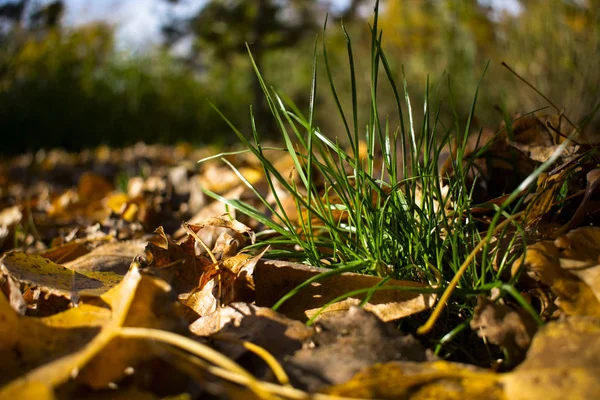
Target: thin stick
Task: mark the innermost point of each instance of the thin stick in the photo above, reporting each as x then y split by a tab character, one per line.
267	357
198	349
426	328
541	94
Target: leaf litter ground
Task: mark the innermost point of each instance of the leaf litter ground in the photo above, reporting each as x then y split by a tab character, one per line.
104	289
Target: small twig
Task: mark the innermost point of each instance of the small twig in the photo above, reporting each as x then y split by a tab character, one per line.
425	328
198	349
525	81
267	357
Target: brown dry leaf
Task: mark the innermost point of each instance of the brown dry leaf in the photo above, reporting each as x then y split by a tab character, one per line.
569	266
177	264
440	380
211	230
503	326
73	249
137	301
226	282
242	315
580	255
111	257
346	343
238	322
563	362
85	201
548	188
274	279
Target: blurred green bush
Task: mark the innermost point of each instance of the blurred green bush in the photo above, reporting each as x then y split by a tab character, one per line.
74	90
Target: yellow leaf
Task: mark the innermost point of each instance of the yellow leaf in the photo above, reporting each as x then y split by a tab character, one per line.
570	266
430	380
57	279
563	362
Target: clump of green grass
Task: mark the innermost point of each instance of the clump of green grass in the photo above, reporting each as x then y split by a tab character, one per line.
385	211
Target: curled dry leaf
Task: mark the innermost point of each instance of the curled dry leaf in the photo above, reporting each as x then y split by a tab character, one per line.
503	326
274	279
228	281
176	263
569	266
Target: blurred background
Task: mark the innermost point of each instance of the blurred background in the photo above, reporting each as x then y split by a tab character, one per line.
77	73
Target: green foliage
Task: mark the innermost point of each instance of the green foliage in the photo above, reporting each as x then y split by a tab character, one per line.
554	44
379	207
74	90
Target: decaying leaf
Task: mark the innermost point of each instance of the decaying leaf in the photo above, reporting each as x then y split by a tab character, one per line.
563	362
274	279
54	279
89	349
241	322
347	343
223	283
439	380
568	265
503	326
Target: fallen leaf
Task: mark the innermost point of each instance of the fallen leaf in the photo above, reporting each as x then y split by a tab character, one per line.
557	265
345	344
274	279
179	265
99	357
563	362
439	380
51	278
71	250
242	322
226	282
580	255
26	342
503	326
111	257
